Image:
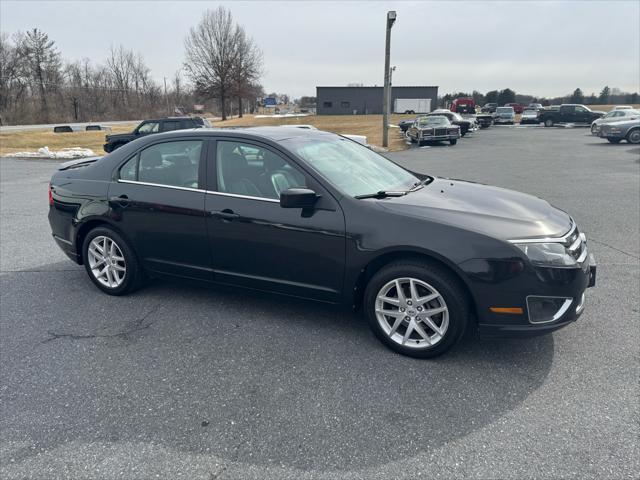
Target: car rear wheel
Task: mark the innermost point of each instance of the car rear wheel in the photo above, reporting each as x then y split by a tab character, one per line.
416	308
614	140
633	136
110	262
548	122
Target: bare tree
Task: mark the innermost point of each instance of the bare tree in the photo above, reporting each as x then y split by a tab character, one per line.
213	49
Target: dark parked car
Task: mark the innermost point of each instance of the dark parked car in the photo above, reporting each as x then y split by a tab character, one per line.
315	215
465	125
433	128
568	113
148	127
489	108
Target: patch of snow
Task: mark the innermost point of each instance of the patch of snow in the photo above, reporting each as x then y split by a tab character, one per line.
44	152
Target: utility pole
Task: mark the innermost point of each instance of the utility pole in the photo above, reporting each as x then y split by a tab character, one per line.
391	18
390	91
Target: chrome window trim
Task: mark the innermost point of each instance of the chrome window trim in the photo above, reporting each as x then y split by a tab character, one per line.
149	184
249	197
561	311
562	239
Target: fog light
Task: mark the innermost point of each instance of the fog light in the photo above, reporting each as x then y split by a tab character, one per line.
547	309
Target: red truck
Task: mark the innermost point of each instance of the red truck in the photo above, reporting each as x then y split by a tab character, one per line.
463	105
517	107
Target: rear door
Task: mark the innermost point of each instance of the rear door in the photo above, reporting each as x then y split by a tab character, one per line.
158	199
254	241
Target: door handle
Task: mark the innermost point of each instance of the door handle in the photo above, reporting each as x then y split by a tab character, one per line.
121	201
225	215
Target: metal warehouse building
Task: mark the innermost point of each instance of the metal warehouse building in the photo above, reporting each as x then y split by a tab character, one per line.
366	100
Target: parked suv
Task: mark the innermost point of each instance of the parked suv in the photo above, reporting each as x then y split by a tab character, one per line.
148	127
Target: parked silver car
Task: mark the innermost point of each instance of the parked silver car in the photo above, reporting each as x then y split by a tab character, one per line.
628	130
504	115
614	116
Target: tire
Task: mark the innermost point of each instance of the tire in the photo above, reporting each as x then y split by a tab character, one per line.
634	136
428	279
614	140
453	141
114	281
462	134
594	129
548	122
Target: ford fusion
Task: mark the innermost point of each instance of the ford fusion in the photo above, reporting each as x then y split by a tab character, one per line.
316	215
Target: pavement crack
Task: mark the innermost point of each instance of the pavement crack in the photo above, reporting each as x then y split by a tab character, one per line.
135	326
614	248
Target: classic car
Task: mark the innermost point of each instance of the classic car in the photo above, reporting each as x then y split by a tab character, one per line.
529	116
614	116
505	115
628	130
433	128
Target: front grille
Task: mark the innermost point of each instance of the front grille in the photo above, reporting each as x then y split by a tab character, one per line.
440	131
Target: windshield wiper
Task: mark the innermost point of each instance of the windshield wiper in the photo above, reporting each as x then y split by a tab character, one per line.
381	194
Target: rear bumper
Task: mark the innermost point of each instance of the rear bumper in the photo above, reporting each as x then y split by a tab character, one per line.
68	248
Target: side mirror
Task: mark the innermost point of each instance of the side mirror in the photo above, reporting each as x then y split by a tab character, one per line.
298	198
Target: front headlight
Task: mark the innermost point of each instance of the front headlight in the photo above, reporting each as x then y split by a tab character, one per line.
547	254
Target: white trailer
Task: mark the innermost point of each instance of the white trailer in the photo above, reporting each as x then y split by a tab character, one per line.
412	105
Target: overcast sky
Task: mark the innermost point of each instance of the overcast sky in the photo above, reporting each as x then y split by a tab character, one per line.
544	48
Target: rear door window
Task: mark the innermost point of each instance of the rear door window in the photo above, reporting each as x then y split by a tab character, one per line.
171	125
175	164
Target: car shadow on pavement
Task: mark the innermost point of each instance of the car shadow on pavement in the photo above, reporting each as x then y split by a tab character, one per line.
244	376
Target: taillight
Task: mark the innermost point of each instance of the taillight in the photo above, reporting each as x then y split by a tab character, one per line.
50	196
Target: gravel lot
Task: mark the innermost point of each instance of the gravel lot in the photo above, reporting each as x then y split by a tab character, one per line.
180	381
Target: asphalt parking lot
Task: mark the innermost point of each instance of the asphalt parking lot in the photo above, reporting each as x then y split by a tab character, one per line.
179	381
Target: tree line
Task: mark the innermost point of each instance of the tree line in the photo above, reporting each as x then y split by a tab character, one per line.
222	70
501	97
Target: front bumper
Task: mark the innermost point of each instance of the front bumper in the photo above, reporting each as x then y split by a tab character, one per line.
604	133
504	120
517	299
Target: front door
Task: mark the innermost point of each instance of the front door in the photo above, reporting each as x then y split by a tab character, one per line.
254	241
158	197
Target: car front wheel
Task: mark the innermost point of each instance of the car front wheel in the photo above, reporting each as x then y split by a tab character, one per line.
416	308
453	141
594	128
110	262
633	136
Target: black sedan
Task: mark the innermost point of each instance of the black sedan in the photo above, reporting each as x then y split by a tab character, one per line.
316	215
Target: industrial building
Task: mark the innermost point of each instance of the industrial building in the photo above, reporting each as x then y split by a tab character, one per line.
367	100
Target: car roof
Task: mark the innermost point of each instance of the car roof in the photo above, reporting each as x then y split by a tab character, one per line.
272	133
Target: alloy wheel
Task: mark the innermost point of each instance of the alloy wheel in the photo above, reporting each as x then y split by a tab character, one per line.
634	136
106	261
412	313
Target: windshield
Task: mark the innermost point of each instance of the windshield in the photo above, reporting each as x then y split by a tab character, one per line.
505	110
349	166
434	120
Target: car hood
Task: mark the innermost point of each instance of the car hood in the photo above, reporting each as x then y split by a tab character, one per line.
117	136
493	211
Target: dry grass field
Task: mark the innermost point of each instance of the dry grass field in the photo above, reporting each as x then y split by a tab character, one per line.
369	125
12	142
